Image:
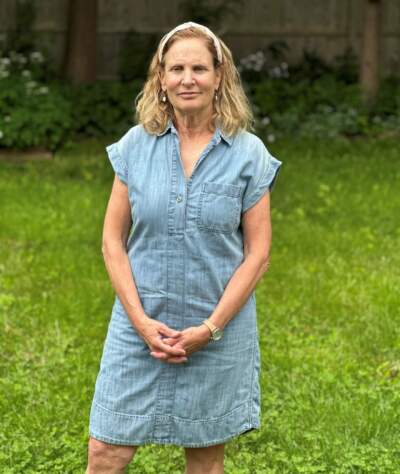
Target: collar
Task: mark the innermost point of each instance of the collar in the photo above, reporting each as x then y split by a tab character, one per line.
217	134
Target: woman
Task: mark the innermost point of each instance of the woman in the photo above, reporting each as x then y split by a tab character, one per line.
181	363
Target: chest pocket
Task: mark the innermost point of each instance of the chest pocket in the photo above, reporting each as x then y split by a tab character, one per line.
219	207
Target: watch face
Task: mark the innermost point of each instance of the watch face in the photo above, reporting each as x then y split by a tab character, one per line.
217	334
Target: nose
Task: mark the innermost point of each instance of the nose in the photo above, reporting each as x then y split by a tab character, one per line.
187	78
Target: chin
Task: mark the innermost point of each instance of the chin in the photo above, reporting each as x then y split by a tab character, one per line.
192	106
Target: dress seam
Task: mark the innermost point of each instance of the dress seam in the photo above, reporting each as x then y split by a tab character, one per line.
177	418
252	380
173	441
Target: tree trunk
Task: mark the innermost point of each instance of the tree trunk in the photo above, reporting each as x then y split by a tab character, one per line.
79	64
369	71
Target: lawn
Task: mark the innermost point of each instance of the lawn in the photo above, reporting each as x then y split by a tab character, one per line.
328	314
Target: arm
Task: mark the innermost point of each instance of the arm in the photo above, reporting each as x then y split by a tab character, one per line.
117	223
256	222
116	227
257	232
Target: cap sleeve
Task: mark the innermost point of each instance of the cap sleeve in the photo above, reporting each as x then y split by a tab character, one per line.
118	153
265	171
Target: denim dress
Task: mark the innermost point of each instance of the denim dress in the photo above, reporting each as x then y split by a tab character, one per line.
185	243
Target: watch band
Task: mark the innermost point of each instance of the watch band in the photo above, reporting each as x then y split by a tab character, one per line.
216	333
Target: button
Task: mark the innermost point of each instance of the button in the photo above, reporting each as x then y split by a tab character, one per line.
179	198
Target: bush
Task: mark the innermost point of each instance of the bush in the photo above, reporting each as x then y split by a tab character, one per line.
325	107
105	107
33	114
313	98
39	110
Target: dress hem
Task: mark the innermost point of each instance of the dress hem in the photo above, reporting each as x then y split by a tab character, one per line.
147	441
235	424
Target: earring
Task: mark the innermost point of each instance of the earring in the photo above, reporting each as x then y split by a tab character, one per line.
216	95
164	98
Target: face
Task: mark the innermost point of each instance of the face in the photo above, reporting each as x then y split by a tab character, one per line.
189	78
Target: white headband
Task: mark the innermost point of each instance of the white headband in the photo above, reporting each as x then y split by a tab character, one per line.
188	24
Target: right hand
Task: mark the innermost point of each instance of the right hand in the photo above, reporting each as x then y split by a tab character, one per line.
152	331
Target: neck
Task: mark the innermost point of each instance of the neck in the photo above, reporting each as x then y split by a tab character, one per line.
193	125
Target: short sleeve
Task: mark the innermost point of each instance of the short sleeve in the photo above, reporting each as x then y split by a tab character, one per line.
264	173
118	153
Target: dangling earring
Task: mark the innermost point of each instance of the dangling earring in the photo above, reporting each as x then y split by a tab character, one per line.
216	95
164	98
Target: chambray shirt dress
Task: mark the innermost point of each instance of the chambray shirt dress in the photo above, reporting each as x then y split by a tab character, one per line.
185	244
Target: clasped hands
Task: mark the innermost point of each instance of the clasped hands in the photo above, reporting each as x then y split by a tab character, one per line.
169	345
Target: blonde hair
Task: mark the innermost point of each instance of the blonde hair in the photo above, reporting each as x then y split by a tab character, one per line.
232	109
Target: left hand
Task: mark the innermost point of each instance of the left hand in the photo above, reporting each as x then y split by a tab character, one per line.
191	339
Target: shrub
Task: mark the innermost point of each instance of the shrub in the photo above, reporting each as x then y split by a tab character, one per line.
307	99
46	113
32	114
105	107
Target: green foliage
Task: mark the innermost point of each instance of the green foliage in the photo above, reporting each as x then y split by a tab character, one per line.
307	99
346	66
328	314
105	107
388	102
272	62
311	66
39	112
325	107
33	114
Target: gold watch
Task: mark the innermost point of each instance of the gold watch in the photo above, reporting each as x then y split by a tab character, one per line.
216	333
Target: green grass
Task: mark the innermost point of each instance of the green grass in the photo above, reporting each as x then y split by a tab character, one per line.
329	314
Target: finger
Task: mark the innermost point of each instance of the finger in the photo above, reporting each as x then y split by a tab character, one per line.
178	360
159	355
165	330
170	340
163	355
160	345
175	360
165	358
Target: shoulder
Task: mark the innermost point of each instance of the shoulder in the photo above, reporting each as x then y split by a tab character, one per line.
257	159
251	147
133	133
136	136
250	141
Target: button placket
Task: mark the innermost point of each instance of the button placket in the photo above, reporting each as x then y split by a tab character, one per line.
177	205
214	141
181	184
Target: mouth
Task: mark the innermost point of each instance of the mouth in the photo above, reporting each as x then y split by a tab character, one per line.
188	94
